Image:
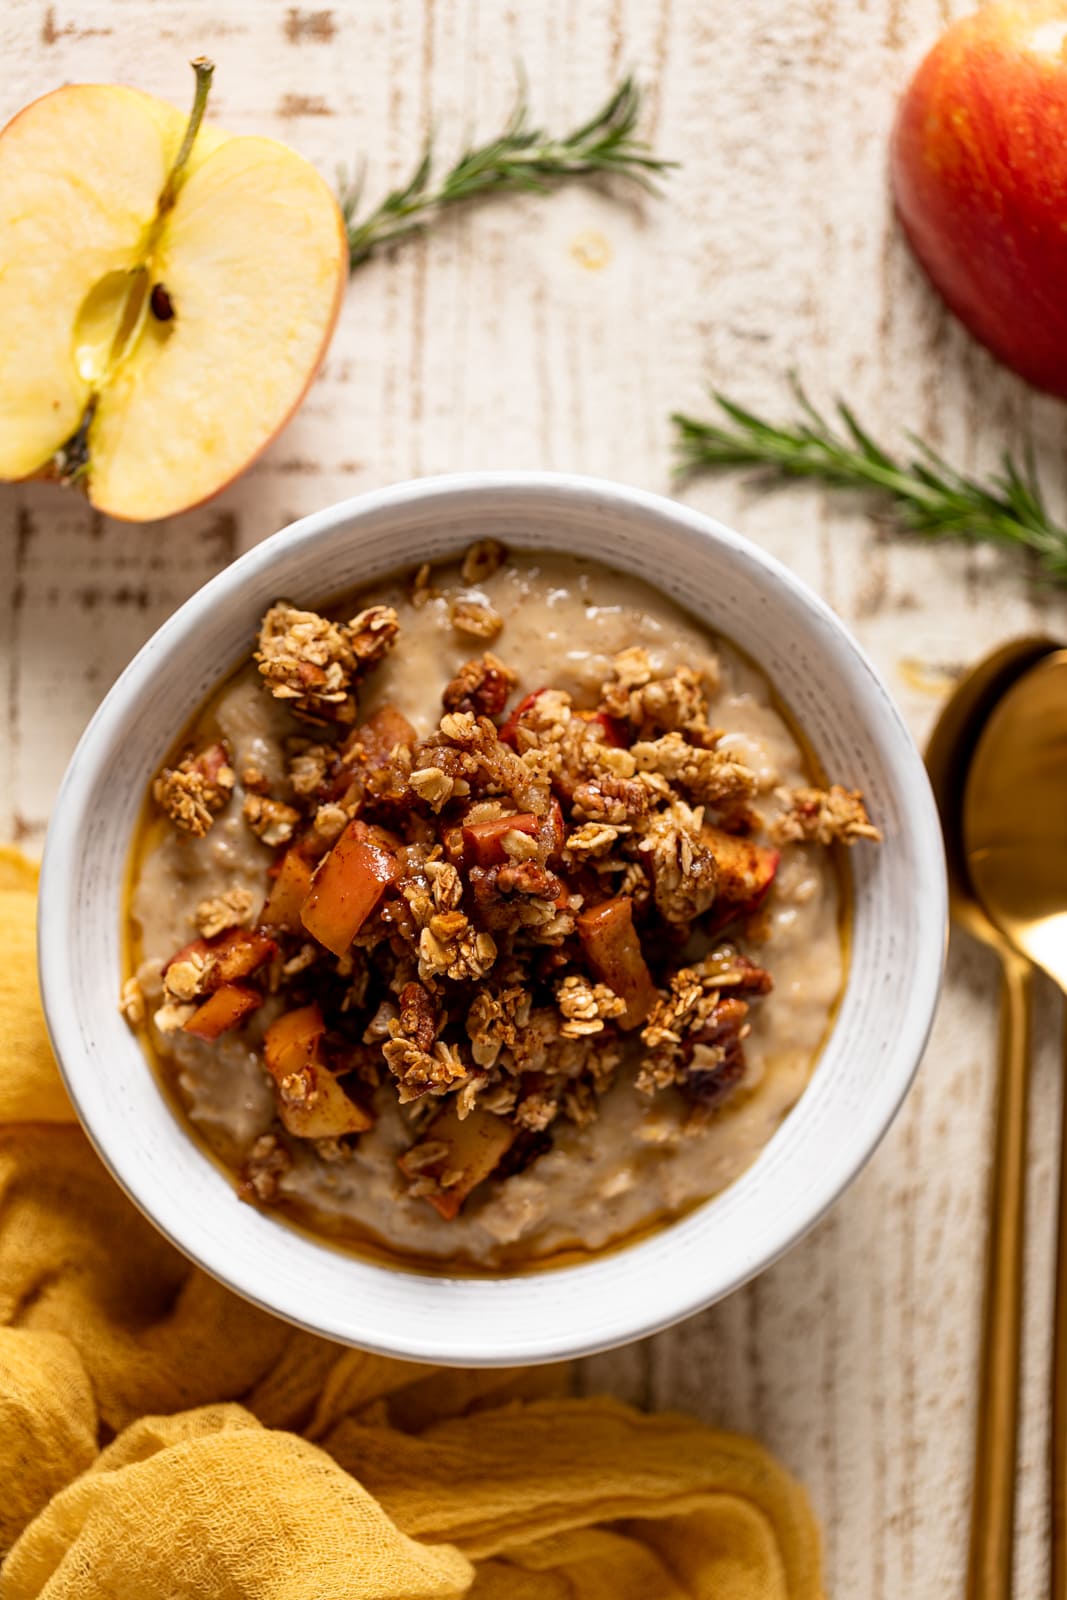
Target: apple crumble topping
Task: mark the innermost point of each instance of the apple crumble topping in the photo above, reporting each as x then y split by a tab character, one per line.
695	1032
231	909
315	664
489	925
132	1003
270	820
268	1162
196	790
480	687
821	816
475	619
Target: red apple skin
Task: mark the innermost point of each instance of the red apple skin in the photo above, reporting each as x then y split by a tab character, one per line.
979	172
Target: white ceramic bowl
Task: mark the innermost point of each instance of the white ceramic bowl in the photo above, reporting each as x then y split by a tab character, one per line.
863	1073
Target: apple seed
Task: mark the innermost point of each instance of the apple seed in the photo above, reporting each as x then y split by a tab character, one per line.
162	306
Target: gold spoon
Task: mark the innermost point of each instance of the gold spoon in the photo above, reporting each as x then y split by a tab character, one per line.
948	760
1015	835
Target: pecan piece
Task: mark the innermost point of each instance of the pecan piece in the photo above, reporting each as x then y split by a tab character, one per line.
716	1053
528	877
481	686
418	1016
372	634
475	620
611	800
482	559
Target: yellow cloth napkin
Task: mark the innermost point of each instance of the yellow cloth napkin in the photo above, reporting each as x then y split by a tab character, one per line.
159	1437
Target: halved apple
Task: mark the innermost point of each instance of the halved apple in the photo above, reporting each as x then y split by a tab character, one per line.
167	292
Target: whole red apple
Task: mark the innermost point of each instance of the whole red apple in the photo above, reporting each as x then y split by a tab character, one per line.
979	169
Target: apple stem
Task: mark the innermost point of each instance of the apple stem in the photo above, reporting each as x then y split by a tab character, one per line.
204	70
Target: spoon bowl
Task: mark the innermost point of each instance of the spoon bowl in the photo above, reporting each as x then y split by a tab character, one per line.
1015	816
949	754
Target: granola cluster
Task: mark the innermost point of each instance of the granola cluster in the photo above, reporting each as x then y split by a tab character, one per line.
820	816
196	790
315	664
490	923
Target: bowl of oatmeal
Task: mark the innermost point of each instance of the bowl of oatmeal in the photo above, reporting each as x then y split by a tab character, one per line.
486	897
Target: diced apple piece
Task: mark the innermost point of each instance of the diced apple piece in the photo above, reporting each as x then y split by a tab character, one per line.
348	886
288	892
483	842
231	955
746	870
609	729
613	950
225	1009
378	738
552	828
509	728
293	1040
195	947
311	1103
473	1148
239	952
316	1107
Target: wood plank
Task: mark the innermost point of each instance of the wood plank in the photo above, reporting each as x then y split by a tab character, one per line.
560	334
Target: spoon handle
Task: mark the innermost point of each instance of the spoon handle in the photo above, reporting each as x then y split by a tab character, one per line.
1058	1443
989	1566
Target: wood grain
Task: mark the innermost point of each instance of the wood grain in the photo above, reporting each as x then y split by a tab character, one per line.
560	334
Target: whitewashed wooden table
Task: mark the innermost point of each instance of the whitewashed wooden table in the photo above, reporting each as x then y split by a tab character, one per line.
498	343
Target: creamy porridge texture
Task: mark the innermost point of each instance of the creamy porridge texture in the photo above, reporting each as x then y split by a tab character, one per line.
613	1102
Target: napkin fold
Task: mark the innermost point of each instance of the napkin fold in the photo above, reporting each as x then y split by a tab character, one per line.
160	1436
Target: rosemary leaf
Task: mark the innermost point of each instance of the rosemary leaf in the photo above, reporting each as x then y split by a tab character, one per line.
521	158
923	492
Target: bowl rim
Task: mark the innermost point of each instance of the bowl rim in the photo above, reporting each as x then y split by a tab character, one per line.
55	910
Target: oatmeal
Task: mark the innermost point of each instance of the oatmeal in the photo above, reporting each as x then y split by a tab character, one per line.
490	917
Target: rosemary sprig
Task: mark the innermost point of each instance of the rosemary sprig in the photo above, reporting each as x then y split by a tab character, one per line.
926	494
521	158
